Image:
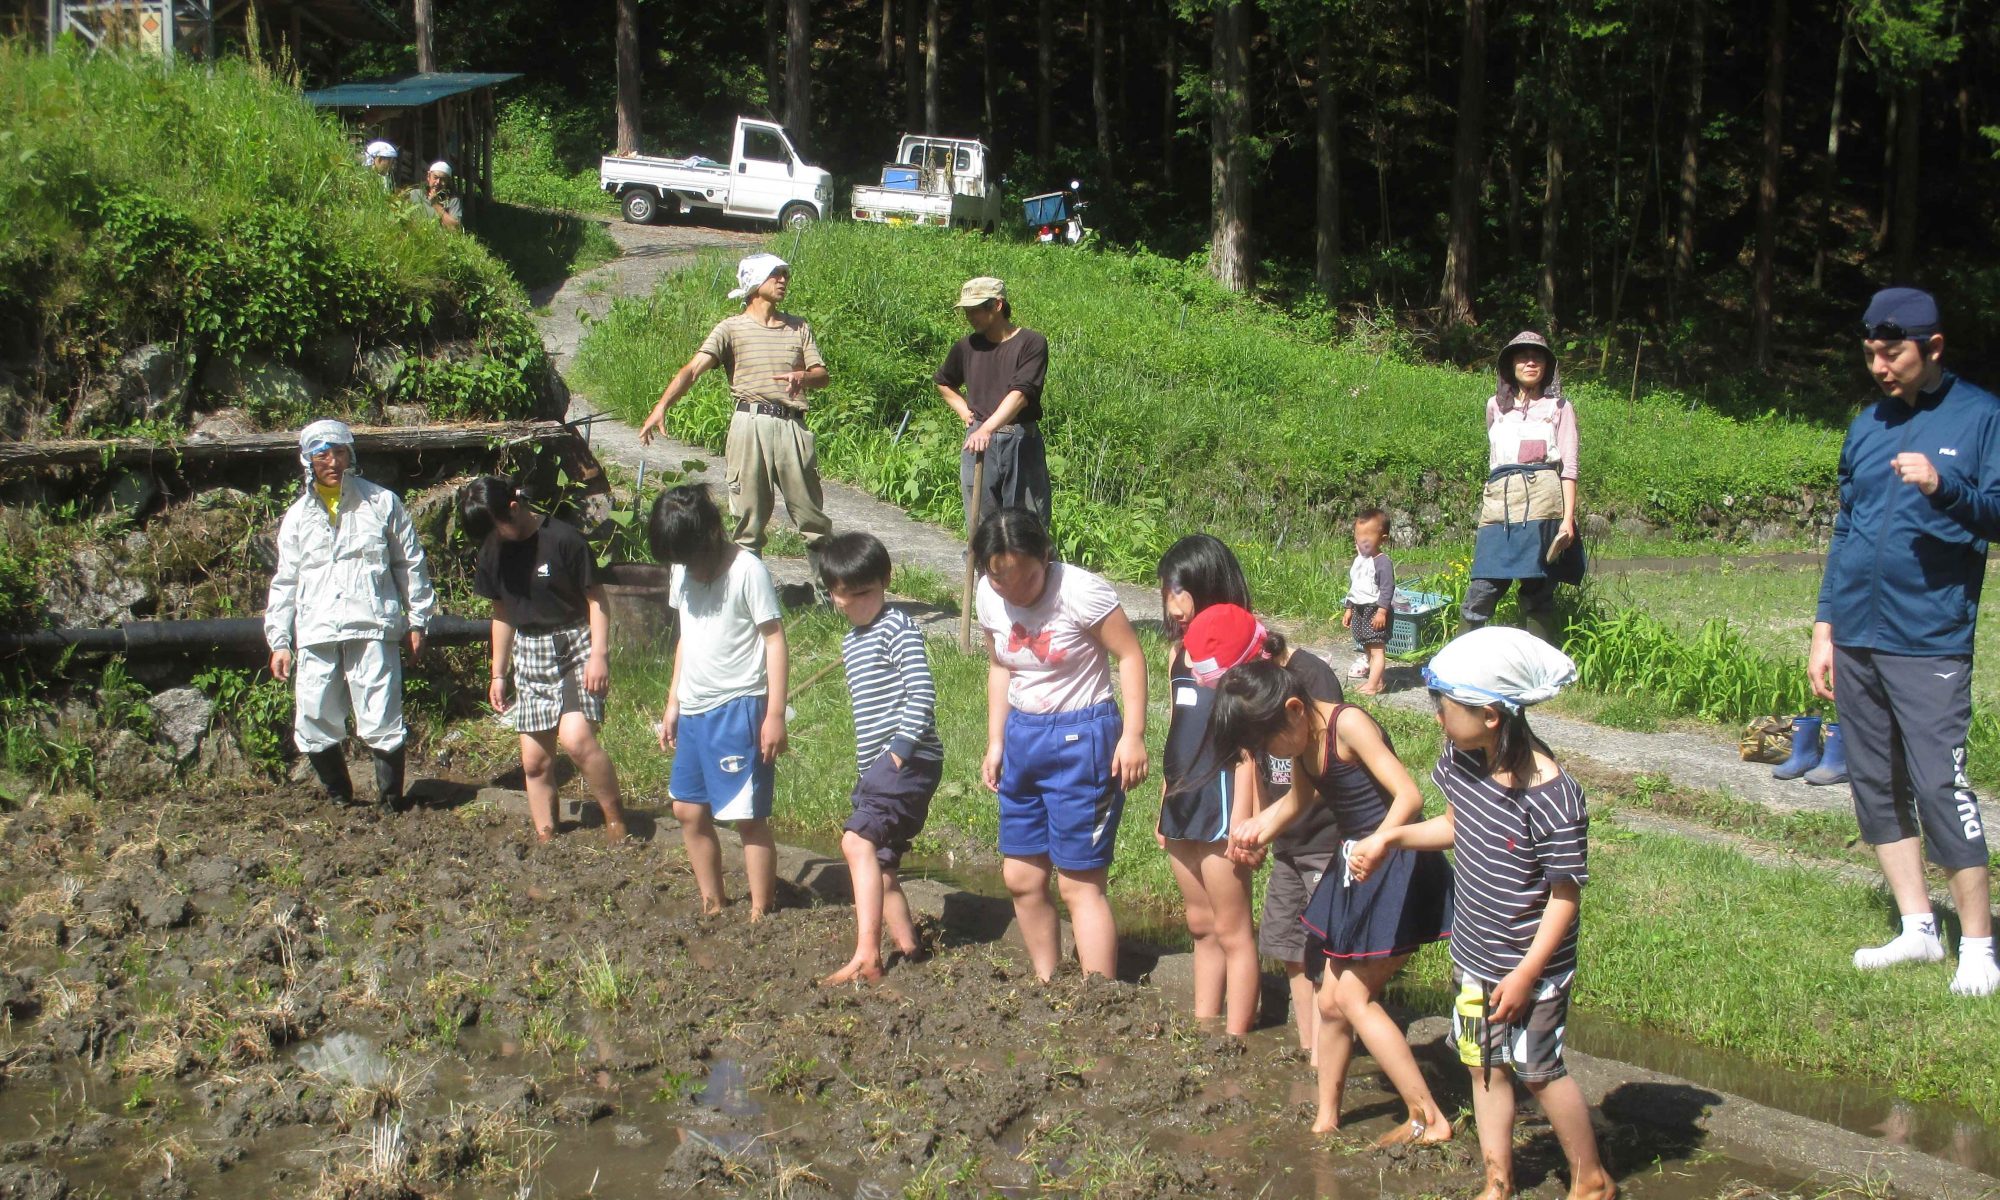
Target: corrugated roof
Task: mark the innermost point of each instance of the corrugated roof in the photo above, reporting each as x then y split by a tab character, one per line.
406	91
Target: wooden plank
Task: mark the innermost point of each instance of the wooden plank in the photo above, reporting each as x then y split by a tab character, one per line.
16	457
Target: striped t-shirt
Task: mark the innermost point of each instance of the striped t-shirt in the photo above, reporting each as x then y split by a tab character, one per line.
754	354
1511	847
895	703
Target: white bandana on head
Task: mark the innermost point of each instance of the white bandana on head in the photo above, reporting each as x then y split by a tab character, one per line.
1499	665
321	434
753	271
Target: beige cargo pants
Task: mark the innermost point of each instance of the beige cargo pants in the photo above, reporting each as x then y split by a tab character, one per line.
769	457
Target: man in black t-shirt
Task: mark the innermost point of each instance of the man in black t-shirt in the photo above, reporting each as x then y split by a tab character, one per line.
993	380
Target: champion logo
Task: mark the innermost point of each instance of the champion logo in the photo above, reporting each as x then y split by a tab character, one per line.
542	571
732	763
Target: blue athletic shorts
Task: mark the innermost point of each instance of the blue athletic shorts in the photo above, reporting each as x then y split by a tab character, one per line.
716	761
1057	796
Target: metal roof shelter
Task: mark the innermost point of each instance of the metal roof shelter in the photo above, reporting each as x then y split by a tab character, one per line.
170	27
441	114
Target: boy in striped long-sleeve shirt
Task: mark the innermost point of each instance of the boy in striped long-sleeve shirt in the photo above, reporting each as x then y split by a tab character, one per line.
896	748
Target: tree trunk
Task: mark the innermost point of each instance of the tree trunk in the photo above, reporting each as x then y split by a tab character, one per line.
1767	187
989	99
1170	97
1326	227
1829	167
798	68
1045	49
1903	214
931	32
1890	124
1455	294
628	76
774	56
1690	150
1100	89
420	18
884	52
1230	259
1552	195
913	65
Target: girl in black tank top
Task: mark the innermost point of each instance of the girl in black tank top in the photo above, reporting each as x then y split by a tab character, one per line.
1360	932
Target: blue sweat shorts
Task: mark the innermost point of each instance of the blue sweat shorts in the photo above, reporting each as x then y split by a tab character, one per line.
1057	796
716	761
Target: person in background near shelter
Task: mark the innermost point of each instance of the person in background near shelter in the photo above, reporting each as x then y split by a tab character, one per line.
437	199
772	362
992	378
1527	514
1919	500
550	623
380	157
351	580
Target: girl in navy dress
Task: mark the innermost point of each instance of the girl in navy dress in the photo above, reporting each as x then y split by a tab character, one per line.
1360	933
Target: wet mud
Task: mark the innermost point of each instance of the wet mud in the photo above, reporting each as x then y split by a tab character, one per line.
264	995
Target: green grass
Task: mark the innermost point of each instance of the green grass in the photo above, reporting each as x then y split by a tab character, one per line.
1694	940
541	247
1172	406
215	210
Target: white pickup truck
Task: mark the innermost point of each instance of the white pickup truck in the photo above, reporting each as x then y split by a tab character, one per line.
934	181
764	179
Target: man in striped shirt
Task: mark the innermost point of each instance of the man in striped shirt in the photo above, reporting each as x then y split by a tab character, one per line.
897	752
772	361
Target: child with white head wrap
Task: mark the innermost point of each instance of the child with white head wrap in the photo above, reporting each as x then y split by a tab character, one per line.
1499	665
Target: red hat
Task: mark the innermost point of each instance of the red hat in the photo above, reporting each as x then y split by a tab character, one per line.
1222	636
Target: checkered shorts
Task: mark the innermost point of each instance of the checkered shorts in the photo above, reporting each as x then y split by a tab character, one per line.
548	679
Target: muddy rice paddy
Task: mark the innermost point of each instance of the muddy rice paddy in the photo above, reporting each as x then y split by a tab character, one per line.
265	995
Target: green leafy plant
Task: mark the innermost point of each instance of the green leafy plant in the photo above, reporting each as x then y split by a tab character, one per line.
256	707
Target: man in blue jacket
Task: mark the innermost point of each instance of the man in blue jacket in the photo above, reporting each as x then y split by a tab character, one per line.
1919	500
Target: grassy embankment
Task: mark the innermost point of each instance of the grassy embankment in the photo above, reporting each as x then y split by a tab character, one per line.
1697	941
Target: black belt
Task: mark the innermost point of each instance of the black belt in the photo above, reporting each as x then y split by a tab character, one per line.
783	412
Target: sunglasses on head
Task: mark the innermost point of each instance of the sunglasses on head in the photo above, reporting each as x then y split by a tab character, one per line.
1891	331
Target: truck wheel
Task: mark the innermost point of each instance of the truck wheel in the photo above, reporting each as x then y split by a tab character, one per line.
641	206
796	216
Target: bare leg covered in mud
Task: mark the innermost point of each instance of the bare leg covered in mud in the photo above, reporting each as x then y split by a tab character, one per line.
579	740
760	863
1216	894
1355	998
704	853
1562	1102
1305	1008
878	900
1027	879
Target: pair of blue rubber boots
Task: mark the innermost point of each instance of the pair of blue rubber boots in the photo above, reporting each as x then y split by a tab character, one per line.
1819	762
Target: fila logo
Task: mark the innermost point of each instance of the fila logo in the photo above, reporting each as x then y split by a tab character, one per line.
1948	451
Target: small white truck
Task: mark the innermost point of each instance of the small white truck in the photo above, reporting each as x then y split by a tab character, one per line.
764	179
934	181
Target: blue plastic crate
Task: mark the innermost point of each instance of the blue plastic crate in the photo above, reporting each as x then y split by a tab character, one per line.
1049	209
1417	624
902	179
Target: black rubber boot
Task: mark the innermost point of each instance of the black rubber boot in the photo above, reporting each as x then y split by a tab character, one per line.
389	779
331	767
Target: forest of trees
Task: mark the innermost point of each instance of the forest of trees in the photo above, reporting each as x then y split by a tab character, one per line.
1724	181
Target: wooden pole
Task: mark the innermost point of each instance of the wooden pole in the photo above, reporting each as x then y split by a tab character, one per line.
16	457
971	569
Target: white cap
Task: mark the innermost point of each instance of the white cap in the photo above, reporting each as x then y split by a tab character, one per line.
380	149
440	167
1499	665
753	271
321	434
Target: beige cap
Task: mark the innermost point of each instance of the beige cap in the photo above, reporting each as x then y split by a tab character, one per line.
978	291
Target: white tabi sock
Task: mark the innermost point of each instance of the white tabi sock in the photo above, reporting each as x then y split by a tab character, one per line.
1917	943
1978	974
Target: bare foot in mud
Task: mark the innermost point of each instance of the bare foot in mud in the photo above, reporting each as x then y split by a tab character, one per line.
757	914
1599	1188
1496	1189
545	835
614	833
1414	1132
711	906
1327	1123
856	968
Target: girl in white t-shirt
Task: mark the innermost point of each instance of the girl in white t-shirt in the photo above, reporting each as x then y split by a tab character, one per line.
1056	750
725	715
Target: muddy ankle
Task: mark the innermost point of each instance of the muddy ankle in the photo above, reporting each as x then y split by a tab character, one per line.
856	969
545	834
1497	1189
1326	1122
614	832
1593	1187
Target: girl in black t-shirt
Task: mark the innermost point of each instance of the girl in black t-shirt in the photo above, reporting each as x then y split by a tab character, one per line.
549	619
